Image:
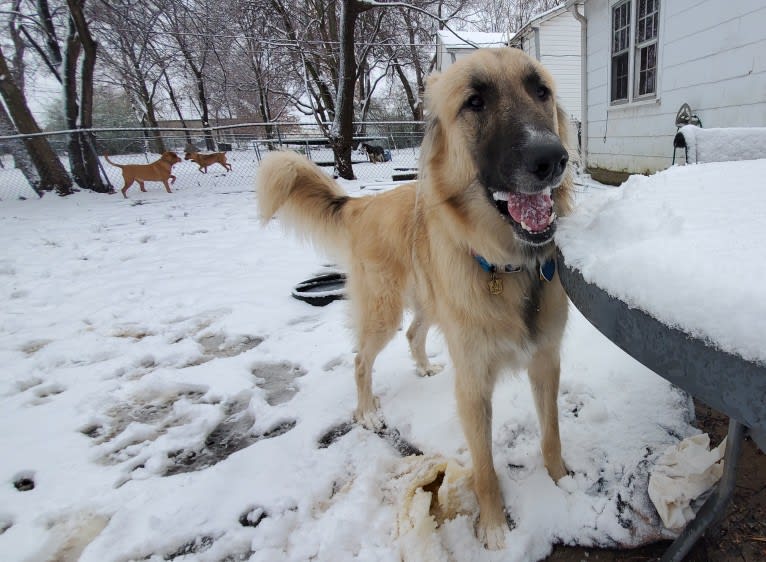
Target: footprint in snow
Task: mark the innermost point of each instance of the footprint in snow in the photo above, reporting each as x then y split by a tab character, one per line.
278	380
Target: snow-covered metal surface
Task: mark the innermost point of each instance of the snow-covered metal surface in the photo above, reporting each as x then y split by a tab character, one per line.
685	246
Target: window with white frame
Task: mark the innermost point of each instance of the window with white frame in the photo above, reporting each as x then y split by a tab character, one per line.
635	29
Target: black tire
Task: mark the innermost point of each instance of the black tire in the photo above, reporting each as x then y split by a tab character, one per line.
321	290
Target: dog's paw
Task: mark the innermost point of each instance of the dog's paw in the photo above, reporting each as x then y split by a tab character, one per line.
430	370
491	536
557	471
370	419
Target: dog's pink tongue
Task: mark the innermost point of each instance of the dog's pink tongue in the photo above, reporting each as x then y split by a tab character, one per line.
533	210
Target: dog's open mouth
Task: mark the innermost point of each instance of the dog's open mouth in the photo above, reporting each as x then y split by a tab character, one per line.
531	214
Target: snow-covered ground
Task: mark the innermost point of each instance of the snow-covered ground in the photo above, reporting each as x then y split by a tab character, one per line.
164	397
13	184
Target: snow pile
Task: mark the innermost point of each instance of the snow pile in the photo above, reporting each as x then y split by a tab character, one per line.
666	243
724	144
164	397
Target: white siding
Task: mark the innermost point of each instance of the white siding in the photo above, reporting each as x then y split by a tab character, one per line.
529	45
560	54
558	39
712	56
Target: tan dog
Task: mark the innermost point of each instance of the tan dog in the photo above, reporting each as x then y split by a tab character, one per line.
159	170
493	177
205	160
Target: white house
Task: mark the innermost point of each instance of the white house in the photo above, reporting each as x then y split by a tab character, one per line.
553	38
645	58
449	47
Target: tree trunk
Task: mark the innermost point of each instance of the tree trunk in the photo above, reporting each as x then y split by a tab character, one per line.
92	178
71	108
342	132
48	25
158	143
149	115
412	100
204	111
52	174
21	159
174	101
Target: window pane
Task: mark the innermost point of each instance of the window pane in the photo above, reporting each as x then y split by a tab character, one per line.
647	70
647	20
620	77
620	27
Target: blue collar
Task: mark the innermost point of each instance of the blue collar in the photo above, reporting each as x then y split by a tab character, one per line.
546	269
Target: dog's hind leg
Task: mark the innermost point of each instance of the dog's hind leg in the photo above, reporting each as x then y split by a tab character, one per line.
544	373
416	336
141	186
474	384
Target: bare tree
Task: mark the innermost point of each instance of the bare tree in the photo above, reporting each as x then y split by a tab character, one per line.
78	47
261	85
51	174
192	27
132	59
17	68
79	23
509	15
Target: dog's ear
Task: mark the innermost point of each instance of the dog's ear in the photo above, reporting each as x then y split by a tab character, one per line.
433	128
432	83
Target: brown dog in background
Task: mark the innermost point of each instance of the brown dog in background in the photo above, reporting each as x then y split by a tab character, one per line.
469	247
159	170
205	160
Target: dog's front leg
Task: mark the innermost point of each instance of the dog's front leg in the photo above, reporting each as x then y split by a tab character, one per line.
544	373
474	388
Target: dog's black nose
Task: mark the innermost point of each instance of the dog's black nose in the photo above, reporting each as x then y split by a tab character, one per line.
546	160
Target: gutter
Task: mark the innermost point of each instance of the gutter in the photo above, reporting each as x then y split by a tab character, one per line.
571	6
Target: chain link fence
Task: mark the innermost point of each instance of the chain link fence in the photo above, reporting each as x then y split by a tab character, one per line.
383	151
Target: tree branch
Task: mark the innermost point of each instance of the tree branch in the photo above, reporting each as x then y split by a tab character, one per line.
376	4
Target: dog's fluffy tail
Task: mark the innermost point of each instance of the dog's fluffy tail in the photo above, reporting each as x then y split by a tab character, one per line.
112	163
306	199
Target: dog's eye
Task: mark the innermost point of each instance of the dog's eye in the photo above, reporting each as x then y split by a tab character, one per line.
475	103
543	93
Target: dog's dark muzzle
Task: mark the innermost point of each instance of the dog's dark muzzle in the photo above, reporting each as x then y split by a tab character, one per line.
533	161
545	160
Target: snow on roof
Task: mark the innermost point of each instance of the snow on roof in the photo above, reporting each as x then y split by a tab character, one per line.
480	38
541	17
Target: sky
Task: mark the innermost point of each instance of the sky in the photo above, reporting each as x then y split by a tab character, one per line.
165	397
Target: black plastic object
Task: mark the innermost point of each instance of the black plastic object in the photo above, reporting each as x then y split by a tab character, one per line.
322	289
